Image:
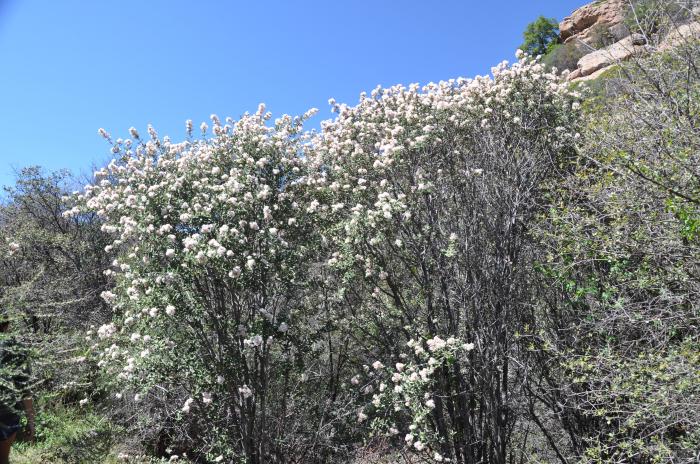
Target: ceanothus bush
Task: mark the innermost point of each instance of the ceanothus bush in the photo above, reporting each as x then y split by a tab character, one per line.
431	190
245	258
214	240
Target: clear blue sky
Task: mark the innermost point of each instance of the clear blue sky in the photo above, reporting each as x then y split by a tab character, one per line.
70	67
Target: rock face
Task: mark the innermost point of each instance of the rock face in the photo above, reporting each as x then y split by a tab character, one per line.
599	28
683	33
592	76
619	51
602	15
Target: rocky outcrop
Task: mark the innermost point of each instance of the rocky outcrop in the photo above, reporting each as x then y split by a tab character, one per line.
602	16
619	51
683	33
599	28
592	76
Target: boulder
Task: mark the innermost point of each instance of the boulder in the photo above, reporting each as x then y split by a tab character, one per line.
619	31
619	51
681	34
601	22
605	12
574	75
592	76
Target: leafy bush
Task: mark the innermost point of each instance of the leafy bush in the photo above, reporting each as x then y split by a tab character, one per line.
622	274
54	272
564	56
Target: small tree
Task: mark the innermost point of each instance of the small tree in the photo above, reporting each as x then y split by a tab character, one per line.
50	279
540	35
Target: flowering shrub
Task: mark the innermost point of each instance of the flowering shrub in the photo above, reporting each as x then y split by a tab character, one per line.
256	269
430	192
403	396
214	241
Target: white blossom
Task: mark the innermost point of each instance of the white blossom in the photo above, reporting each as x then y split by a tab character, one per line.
188	405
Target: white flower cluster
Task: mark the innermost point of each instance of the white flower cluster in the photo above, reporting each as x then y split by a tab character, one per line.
380	161
235	206
13	247
408	390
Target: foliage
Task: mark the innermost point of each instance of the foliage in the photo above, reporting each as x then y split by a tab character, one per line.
621	257
50	281
564	56
470	271
69	436
14	372
540	36
50	266
650	17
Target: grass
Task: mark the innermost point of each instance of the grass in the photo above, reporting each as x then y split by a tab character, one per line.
68	436
75	435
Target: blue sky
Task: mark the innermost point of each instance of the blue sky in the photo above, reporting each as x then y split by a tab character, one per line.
70	67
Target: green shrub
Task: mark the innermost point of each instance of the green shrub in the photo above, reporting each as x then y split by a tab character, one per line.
624	246
653	16
563	56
